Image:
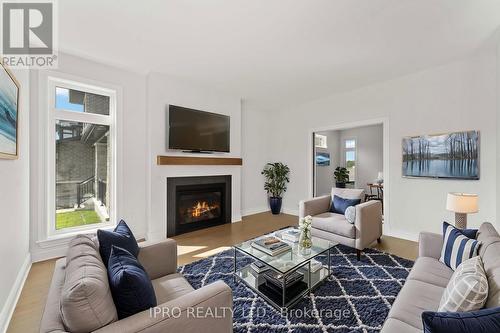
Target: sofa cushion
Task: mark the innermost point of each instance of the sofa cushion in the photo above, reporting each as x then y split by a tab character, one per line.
467	289
491	262
431	270
392	325
339	204
415	298
479	321
334	223
456	247
486	230
51	319
130	284
170	287
86	303
121	237
349	193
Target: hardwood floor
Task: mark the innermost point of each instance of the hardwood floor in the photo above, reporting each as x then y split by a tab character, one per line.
191	247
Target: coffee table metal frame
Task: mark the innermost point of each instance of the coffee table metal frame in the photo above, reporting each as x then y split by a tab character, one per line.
241	273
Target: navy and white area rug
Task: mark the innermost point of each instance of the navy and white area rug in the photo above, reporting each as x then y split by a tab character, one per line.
356	298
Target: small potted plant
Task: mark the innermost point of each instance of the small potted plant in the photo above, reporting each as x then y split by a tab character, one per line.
277	177
305	239
341	176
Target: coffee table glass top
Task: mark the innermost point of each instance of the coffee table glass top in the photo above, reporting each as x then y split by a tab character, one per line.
289	260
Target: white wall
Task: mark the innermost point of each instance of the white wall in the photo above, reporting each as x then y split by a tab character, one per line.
256	138
498	128
369	152
14	205
456	96
324	174
162	90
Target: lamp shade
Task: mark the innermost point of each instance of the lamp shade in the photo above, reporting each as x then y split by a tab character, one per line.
462	203
380	175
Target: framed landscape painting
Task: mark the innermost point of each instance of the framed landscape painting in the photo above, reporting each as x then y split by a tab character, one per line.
453	155
9	105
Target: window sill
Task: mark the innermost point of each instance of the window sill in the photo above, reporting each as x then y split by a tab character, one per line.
64	238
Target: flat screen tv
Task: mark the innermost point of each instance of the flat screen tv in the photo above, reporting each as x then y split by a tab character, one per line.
197	131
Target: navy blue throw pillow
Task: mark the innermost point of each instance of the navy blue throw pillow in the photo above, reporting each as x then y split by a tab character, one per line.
339	204
480	321
122	237
469	233
130	285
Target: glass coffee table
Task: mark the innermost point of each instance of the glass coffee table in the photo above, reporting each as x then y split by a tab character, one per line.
297	265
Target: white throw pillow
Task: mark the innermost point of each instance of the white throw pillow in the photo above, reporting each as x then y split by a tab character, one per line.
350	214
467	289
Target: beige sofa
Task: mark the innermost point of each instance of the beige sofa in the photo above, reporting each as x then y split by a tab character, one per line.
80	300
429	277
366	229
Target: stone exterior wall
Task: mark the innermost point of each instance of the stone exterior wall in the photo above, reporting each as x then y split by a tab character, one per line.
75	163
96	104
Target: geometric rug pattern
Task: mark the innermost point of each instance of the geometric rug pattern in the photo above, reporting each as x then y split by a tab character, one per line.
355	298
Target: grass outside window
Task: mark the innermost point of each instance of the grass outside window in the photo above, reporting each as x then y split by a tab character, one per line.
76	219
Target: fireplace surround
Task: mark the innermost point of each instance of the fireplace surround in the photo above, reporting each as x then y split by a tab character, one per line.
197	202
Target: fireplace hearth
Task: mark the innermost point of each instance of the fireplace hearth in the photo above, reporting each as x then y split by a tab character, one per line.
197	202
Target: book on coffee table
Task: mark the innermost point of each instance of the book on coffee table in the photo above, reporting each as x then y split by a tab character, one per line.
271	246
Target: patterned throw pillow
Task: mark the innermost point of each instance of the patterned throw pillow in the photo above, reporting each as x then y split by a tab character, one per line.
350	214
467	289
456	247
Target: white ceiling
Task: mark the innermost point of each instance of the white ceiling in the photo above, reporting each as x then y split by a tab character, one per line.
281	52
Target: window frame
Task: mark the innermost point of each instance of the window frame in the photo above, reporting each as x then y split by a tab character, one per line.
54	115
323	139
346	150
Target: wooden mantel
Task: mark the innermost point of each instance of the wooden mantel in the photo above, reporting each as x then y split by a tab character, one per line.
195	160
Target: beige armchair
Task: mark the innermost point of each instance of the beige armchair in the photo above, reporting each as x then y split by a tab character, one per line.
180	307
366	228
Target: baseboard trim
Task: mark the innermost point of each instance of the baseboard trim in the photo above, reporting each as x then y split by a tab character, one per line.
402	234
253	211
15	292
290	211
49	253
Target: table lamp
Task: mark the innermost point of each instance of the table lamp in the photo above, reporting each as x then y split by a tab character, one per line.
462	204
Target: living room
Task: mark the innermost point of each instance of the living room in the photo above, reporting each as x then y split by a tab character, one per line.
167	119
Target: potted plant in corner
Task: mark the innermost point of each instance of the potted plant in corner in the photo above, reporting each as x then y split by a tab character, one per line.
277	177
341	176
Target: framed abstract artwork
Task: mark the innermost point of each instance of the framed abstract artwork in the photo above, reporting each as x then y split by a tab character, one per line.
9	107
322	159
452	155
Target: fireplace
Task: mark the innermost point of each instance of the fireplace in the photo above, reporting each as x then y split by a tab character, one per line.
197	202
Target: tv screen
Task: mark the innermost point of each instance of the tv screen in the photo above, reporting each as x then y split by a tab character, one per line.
196	130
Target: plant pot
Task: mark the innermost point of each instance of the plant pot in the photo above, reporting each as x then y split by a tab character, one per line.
275	203
340	185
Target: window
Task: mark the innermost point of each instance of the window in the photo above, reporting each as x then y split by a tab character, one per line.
350	158
320	141
81	159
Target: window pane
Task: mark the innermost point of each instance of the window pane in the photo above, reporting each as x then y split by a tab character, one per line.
350	162
79	101
349	144
320	141
82	174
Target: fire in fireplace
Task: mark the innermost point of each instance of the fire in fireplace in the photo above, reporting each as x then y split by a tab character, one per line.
197	202
203	209
199	207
